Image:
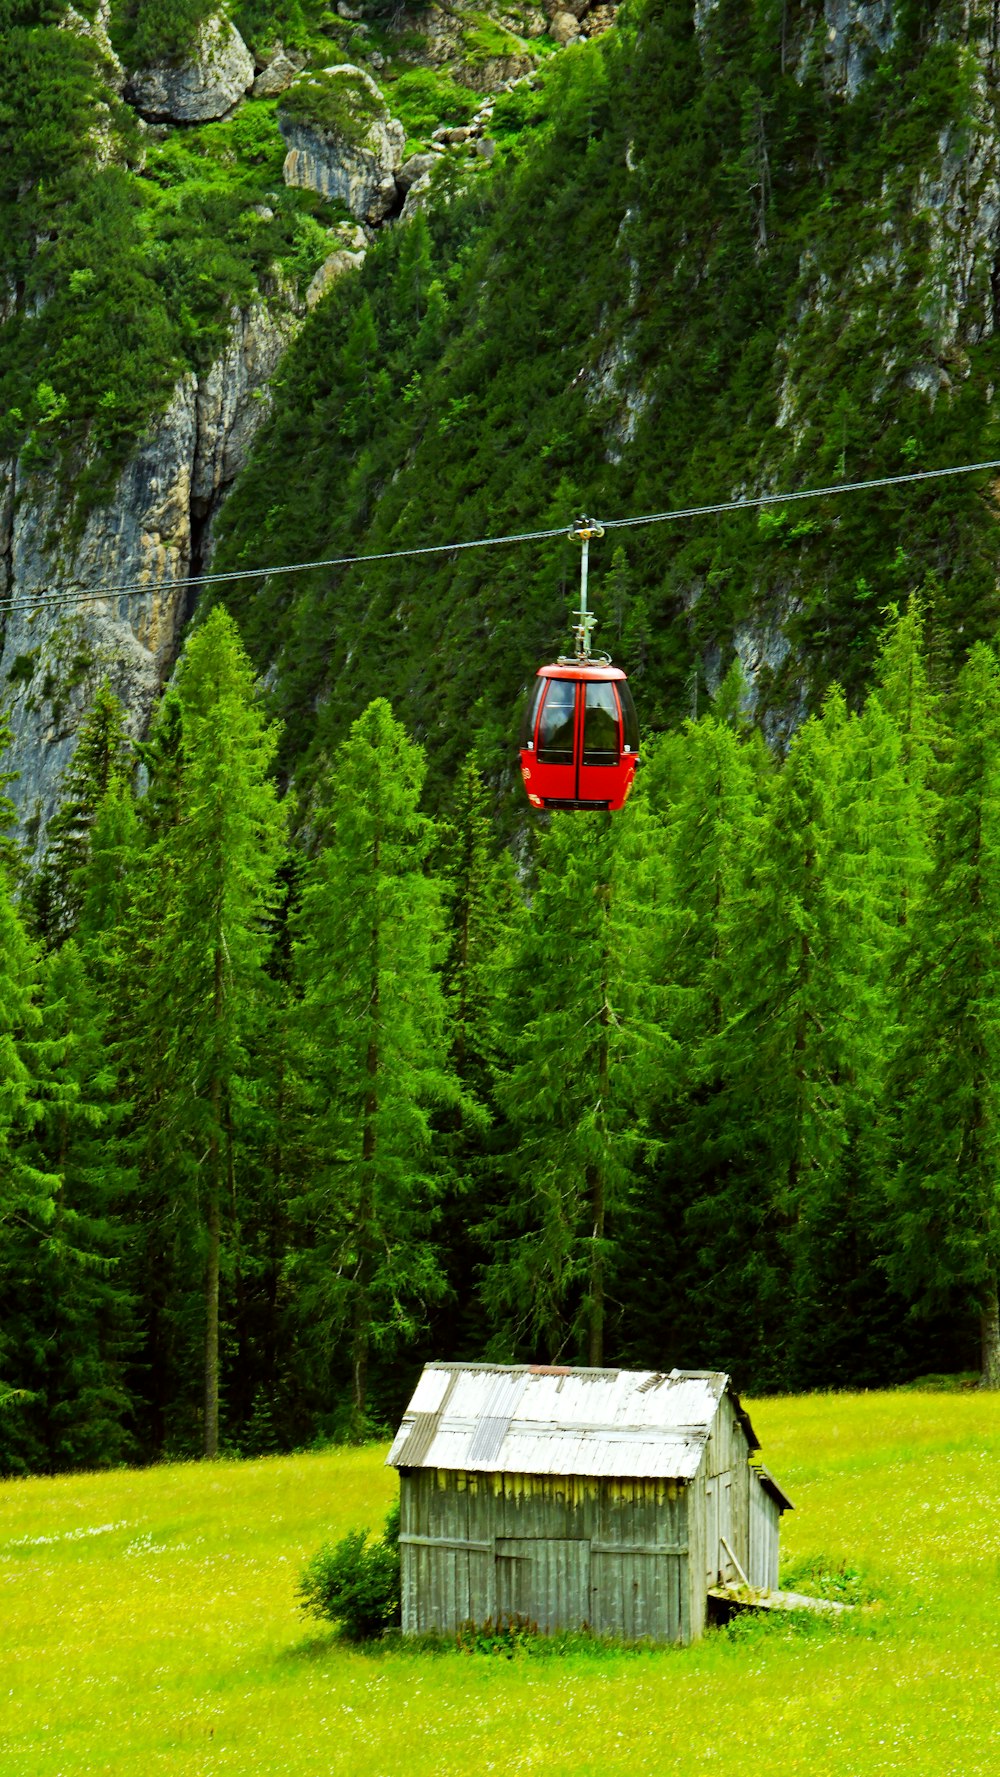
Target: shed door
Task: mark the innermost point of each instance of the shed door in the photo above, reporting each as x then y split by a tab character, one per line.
544	1579
718	1525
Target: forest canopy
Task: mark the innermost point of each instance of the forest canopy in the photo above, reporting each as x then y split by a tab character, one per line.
709	1082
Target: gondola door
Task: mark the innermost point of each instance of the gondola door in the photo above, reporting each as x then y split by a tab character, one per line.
557	741
600	737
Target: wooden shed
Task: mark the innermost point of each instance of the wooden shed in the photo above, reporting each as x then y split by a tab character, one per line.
608	1498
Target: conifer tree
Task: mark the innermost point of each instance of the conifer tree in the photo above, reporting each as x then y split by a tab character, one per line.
945	1198
203	892
374	1028
705	785
583	1051
27	1191
481	907
907	695
100	758
10	851
67	1304
481	894
785	1056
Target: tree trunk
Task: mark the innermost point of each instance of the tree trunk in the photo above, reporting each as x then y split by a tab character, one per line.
595	1342
989	1329
595	1173
213	1218
366	1203
212	1312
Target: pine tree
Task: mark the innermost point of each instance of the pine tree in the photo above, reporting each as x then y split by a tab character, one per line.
583	1051
204	889
705	785
906	693
481	897
782	1065
481	906
27	1192
67	1304
945	1198
100	758
11	861
374	1030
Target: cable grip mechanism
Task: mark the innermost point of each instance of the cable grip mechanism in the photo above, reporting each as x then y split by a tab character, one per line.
582	531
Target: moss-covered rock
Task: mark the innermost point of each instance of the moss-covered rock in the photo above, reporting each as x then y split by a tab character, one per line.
342	141
205	84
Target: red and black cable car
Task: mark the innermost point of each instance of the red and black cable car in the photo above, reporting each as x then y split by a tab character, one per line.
580	738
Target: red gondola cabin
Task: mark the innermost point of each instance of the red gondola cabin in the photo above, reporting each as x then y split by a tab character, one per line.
580	740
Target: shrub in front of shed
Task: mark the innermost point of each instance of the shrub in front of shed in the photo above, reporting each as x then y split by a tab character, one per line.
355	1583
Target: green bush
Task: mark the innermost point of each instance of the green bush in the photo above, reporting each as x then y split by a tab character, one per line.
340	102
355	1583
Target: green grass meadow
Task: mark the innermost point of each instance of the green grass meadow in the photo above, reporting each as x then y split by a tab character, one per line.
149	1626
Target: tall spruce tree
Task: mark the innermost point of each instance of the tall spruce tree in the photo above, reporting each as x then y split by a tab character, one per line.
100	758
67	1305
204	887
705	783
374	1029
27	1191
583	1049
945	1197
481	894
781	1066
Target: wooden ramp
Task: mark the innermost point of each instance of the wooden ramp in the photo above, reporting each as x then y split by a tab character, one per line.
727	1600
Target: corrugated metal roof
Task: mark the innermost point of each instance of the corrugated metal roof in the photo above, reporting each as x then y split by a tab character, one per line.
531	1420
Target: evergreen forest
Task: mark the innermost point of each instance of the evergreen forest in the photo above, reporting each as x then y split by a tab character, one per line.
293	1101
321	1054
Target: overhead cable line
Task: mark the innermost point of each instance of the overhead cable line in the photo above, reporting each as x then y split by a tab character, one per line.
806	493
745	503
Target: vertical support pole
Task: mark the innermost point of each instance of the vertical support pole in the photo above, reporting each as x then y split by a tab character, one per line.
582	531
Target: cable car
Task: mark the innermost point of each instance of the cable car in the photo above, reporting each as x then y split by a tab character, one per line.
580	741
580	738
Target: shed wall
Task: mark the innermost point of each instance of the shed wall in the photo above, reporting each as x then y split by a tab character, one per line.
720	1502
561	1551
765	1530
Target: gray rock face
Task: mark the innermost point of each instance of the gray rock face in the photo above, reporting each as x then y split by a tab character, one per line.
356	159
857	34
233	398
334	267
275	78
153	531
208	86
414	169
493	71
418	197
55	656
563	27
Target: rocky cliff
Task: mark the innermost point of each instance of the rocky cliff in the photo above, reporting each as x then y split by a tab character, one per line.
729	249
66	626
223	269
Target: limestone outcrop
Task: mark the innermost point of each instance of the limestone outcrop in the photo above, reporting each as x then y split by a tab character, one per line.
858	32
276	78
341	140
348	255
206	86
154	531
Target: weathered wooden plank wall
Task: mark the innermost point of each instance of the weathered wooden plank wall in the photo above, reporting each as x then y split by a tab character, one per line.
610	1553
765	1531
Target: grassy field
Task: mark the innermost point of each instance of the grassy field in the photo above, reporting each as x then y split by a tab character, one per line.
149	1626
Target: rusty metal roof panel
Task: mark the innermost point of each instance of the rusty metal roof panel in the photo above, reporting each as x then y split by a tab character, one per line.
529	1419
